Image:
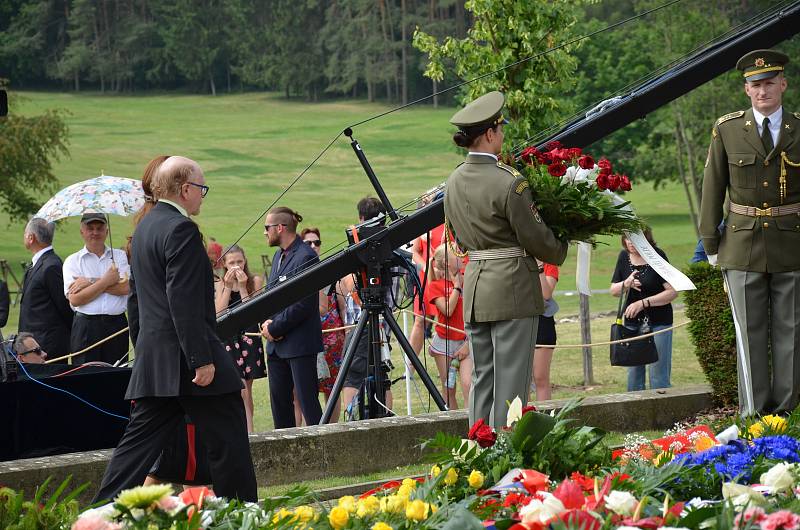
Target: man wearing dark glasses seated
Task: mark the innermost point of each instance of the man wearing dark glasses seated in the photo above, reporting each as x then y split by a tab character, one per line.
28	350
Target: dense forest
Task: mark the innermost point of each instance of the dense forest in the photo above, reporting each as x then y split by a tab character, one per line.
397	51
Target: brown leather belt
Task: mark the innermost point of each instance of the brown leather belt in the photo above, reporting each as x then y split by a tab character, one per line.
775	211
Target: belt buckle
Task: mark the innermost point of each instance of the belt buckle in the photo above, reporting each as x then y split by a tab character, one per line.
767	212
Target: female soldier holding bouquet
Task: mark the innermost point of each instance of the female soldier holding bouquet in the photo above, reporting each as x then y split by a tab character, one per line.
490	210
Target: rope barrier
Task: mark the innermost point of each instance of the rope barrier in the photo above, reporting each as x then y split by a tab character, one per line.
96	344
554	346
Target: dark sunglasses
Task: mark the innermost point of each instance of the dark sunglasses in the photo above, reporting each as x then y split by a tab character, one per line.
37	350
267	227
203	189
313	242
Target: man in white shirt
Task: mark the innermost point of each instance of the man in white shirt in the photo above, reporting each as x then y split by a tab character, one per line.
96	285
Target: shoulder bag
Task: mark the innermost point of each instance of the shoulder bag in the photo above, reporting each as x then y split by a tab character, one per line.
633	353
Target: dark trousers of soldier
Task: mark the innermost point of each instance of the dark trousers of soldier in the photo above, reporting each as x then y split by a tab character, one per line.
89	329
766	316
503	355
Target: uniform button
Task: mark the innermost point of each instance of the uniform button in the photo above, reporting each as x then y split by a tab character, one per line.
765	184
766	163
766	225
733	226
740	162
765	205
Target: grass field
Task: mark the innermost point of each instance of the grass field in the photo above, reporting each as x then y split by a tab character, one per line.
252	146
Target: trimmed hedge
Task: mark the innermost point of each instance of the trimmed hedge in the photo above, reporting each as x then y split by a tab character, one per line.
712	333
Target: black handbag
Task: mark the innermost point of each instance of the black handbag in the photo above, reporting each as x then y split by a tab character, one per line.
633	353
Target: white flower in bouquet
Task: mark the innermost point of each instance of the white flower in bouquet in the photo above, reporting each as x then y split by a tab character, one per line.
575	175
780	477
541	509
621	502
514	412
741	495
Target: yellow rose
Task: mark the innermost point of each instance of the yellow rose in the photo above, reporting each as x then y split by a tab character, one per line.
338	517
451	477
475	479
381	526
435	470
756	429
348	502
368	506
405	491
410	482
282	515
417	510
776	423
304	513
393	504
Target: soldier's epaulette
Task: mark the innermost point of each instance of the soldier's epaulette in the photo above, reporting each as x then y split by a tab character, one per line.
796	115
510	169
729	116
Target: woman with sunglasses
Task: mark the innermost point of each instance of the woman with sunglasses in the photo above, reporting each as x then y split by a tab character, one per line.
331	309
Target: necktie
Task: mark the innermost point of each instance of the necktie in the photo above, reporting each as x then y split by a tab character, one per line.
766	137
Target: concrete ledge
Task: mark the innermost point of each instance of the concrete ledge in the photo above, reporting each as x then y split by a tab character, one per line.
342	449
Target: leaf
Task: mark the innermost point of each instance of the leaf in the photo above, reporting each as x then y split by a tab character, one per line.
530	430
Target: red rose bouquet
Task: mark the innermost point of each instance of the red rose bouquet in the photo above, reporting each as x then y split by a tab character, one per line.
574	194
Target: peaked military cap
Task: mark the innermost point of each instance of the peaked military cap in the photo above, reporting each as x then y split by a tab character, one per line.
482	113
762	64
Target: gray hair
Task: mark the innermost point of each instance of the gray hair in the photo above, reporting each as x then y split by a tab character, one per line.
19	342
41	229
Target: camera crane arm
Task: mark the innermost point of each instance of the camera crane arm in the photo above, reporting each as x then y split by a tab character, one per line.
682	78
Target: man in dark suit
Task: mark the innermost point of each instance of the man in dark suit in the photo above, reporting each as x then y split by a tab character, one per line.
294	336
180	366
44	310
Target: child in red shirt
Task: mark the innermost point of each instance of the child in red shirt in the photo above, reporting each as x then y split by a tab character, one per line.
449	340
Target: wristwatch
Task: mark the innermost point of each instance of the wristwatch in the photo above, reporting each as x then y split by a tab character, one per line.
541	269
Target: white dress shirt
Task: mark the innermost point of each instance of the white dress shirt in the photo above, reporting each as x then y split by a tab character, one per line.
92	267
38	255
775	120
177	206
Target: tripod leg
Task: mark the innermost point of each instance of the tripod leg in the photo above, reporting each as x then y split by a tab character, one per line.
375	385
412	356
346	362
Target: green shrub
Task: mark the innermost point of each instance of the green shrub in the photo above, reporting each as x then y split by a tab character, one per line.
712	332
41	512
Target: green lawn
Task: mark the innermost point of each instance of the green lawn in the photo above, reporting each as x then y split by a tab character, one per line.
253	145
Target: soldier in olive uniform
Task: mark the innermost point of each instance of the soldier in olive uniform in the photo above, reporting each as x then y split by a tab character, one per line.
755	157
490	210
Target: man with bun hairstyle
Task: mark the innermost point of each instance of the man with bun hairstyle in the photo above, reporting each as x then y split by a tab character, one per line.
754	159
490	210
181	367
294	335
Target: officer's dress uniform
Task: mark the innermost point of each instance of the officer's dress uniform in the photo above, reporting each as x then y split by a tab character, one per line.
490	210
759	249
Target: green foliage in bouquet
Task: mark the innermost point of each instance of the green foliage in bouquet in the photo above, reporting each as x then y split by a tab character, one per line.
37	514
574	195
712	333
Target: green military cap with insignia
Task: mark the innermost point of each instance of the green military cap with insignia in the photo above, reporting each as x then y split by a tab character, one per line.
762	64
481	114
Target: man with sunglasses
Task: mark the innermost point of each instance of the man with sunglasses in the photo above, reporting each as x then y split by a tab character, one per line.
28	350
181	367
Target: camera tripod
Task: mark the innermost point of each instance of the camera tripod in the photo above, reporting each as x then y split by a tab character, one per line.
374	280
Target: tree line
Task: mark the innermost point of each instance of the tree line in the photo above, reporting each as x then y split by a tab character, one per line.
306	48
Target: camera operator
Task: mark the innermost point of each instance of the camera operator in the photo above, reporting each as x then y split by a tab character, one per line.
28	350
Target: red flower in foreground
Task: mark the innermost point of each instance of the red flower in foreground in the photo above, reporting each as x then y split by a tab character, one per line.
613	182
560	155
575	152
586	162
533	481
586	483
555	144
602	181
483	434
625	183
528	408
570	494
580	519
557	169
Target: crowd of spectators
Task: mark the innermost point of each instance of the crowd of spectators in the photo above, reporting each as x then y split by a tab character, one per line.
70	306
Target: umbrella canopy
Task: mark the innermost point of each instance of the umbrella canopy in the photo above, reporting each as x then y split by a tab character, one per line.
108	195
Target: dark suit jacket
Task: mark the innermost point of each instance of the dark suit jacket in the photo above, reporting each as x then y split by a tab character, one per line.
298	324
43	309
174	326
5	303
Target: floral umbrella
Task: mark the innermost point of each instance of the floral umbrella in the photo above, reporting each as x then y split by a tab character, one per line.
109	195
103	194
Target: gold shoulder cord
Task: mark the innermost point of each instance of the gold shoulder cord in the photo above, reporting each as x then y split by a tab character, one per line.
782	181
450	242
